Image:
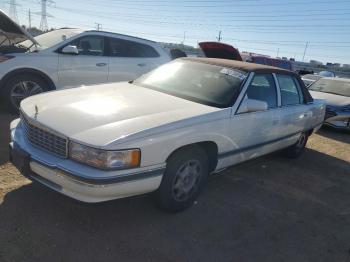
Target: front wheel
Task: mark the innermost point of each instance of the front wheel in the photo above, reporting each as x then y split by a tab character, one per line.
185	175
298	148
20	87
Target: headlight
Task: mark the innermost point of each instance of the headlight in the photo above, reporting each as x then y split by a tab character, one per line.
105	159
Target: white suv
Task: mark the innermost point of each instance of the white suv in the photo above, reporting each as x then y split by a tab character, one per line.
68	58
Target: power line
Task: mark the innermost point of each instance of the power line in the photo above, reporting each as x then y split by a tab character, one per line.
13	10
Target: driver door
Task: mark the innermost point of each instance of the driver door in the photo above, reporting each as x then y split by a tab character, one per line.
253	133
89	66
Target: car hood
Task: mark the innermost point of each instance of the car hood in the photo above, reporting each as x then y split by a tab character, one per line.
220	50
102	114
11	32
331	99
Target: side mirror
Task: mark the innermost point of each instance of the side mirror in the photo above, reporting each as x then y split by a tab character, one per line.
252	105
70	49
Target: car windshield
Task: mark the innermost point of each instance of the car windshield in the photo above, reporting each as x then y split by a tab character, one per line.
51	38
338	87
199	82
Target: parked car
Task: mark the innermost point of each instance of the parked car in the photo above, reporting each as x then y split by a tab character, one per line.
69	58
336	92
220	50
308	79
265	60
164	132
327	74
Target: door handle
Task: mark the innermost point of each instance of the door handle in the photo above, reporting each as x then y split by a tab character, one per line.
101	64
141	64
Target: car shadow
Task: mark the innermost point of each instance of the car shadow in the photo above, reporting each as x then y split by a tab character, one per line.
267	209
5	120
335	134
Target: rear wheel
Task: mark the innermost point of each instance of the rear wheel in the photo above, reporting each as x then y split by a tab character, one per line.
20	87
298	148
185	175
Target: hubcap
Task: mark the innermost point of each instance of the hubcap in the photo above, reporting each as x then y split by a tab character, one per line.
186	180
22	90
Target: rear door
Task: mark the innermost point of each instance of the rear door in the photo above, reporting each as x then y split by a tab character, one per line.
295	114
129	59
90	66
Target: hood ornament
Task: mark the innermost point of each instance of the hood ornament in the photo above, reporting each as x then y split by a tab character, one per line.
36	111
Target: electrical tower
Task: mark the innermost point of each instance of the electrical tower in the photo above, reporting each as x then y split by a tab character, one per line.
13	10
43	21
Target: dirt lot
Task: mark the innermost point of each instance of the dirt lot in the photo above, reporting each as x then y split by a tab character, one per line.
269	209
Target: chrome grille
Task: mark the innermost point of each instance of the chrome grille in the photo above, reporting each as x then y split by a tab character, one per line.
44	139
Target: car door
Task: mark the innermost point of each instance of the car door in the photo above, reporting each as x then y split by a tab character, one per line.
129	59
295	114
254	133
89	66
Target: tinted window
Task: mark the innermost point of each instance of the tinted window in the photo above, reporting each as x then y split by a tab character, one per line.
90	45
263	88
199	82
125	48
289	90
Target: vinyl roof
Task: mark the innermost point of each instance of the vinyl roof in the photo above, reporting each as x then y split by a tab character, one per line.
243	66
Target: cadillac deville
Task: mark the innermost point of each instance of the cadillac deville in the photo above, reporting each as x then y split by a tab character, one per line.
164	132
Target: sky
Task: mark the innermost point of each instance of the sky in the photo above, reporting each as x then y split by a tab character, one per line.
278	28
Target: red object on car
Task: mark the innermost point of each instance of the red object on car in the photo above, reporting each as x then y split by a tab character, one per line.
220	50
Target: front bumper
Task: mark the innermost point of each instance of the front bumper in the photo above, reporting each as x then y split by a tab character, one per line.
338	120
79	181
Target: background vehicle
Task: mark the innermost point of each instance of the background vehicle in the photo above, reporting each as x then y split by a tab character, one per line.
326	74
164	132
264	60
220	50
69	57
336	92
308	79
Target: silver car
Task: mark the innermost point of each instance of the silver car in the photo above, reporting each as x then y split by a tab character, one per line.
336	92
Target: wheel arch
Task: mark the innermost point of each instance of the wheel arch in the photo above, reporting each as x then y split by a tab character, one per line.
209	147
45	77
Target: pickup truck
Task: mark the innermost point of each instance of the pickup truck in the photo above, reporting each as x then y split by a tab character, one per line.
164	132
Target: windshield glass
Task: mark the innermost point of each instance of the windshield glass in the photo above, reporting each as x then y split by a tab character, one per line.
338	87
199	82
52	38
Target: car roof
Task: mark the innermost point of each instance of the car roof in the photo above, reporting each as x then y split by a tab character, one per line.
117	34
243	66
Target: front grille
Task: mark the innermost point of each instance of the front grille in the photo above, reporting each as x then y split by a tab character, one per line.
45	139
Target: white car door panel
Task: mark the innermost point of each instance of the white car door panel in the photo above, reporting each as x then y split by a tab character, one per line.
89	67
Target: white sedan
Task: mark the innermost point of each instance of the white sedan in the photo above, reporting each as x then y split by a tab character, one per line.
69	57
164	132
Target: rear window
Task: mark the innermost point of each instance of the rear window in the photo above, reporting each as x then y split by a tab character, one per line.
337	87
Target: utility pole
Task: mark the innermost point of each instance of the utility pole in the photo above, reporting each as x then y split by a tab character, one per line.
183	41
219	38
29	19
98	26
306	45
278	51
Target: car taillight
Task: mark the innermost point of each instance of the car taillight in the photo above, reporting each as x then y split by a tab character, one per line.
4	58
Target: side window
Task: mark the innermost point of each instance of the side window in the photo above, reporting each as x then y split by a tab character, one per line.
90	45
263	88
126	48
290	94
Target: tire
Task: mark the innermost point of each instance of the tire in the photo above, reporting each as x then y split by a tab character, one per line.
19	87
298	148
186	173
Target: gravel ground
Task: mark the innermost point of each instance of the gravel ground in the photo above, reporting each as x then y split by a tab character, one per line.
268	209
